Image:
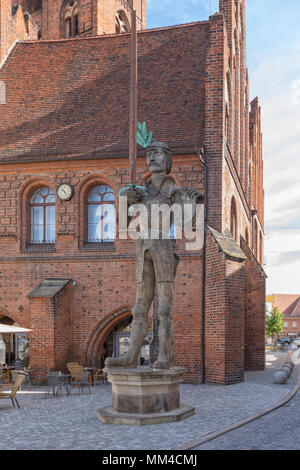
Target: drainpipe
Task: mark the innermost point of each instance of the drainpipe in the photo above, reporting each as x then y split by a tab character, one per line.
201	155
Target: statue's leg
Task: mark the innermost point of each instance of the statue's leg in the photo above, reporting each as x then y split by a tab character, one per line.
139	328
165	329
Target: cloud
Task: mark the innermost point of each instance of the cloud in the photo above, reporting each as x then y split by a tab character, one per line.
273	50
275	76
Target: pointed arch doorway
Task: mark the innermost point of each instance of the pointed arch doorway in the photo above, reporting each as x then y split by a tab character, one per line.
111	338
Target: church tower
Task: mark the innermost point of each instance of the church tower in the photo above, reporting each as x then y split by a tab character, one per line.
75	18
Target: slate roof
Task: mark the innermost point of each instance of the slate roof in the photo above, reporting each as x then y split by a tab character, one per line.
228	245
48	288
71	97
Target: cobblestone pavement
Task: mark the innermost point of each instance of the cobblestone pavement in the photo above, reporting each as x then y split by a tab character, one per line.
279	430
71	422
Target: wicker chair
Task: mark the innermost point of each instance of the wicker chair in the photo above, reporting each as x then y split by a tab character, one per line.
76	371
80	377
11	390
100	375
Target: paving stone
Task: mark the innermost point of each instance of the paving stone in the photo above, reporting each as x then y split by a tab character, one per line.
71	422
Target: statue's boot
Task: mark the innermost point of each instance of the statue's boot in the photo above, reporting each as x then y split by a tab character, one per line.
137	337
165	338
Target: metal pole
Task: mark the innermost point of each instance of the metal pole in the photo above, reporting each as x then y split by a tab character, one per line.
133	100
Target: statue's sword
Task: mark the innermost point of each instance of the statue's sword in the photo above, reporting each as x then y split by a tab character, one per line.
133	106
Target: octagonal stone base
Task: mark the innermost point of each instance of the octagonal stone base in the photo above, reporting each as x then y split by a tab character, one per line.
145	396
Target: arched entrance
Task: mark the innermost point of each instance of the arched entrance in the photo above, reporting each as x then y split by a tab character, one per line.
111	338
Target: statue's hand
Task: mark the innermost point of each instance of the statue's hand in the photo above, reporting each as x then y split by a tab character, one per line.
133	195
186	194
195	195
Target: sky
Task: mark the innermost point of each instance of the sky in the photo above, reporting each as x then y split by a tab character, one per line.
273	61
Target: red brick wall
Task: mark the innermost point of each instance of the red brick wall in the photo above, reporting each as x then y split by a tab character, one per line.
42	338
105	280
224	317
257	162
214	119
255	312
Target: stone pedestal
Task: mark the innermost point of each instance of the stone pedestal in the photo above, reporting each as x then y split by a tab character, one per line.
145	396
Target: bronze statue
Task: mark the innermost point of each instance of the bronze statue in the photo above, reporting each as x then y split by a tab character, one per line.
155	260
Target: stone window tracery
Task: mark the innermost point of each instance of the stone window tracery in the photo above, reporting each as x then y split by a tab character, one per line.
122	23
70	25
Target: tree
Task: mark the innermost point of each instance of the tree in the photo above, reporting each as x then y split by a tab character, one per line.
274	322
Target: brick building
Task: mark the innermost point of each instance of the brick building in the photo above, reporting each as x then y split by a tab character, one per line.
289	306
63	273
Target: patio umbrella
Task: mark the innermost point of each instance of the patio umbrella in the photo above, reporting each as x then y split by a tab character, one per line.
12	329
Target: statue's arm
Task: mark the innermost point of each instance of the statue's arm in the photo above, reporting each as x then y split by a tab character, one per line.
181	195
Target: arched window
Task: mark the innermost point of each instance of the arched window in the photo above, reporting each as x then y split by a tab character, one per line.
233	219
42	211
122	23
70	25
101	225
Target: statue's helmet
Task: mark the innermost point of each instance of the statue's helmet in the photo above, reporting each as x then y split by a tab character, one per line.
165	148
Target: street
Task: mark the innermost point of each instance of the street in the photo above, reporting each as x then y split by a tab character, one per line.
279	430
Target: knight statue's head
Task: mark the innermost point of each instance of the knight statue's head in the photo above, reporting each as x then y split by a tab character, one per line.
159	158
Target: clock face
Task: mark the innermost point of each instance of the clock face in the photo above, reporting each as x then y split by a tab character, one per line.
65	192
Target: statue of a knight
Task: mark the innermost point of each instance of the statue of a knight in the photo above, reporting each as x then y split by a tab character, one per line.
155	260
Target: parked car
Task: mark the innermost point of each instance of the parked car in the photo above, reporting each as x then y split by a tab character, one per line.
297	342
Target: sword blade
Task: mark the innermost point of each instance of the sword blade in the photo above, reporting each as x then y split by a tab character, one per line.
133	99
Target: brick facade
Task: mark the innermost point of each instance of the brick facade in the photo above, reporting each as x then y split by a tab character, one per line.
67	122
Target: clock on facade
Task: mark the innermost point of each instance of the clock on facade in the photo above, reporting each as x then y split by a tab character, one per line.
65	192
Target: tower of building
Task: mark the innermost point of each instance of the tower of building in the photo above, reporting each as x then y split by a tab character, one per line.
61	19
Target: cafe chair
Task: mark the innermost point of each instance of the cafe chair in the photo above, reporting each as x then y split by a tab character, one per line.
100	375
11	390
85	381
3	374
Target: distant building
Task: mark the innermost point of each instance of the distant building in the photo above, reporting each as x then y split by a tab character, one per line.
289	306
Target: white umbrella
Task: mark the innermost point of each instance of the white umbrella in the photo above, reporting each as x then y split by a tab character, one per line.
12	329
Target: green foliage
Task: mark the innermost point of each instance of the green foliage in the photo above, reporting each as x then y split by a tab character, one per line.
143	138
274	322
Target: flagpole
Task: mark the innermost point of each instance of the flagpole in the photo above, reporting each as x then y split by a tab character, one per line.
133	100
